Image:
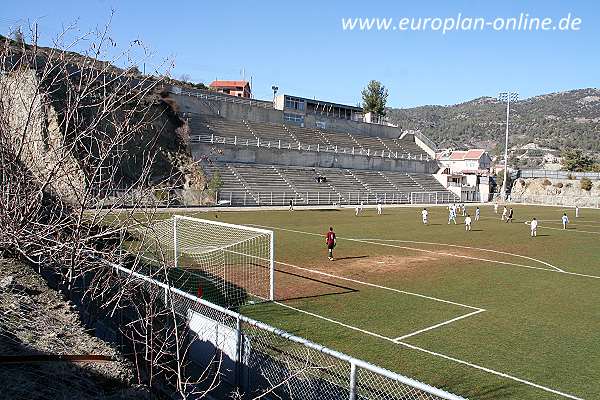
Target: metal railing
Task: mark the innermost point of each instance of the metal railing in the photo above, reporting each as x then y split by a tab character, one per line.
542	173
222	97
278	144
267	198
259	359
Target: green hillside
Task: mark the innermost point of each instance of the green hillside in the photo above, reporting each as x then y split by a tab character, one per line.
557	120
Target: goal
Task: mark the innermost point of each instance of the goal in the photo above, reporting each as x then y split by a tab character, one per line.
224	263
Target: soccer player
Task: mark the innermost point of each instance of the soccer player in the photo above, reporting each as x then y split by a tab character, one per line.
510	215
576	211
477	214
291	205
425	215
379	208
452	216
356	211
505	213
360	209
468	223
496	208
330	240
565	220
464	209
534	225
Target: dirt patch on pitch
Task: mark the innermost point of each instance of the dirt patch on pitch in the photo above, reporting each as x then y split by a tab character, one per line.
380	265
293	283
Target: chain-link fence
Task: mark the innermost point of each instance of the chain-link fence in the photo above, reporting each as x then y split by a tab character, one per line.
260	360
542	173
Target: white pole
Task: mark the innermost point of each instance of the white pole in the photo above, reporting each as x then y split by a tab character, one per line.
272	268
175	241
352	394
506	148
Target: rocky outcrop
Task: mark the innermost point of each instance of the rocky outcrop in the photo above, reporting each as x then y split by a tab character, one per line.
32	125
555	191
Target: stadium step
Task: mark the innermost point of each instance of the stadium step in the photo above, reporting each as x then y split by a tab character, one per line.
243	182
250	129
363	184
290	184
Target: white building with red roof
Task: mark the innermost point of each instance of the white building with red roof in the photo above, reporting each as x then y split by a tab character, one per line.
473	161
465	173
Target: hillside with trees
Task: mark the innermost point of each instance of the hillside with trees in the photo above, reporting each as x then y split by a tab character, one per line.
565	120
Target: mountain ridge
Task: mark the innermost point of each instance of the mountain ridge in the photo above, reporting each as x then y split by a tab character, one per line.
558	120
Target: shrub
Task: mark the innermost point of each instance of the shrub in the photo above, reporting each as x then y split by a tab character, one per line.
586	184
559	185
569	185
570	176
546	182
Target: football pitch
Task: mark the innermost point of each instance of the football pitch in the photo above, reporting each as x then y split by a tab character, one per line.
488	314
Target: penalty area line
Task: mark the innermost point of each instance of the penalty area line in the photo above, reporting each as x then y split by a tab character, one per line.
380	286
467	247
435	354
398	339
564	230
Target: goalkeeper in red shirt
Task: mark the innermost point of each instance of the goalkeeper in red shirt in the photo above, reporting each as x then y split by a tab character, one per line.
330	240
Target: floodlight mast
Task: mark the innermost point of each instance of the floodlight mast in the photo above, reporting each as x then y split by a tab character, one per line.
508	97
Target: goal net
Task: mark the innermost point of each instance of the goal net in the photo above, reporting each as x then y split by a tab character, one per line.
223	263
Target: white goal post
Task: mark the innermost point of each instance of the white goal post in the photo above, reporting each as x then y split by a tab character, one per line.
225	263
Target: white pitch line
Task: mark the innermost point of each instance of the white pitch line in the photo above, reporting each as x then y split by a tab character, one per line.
491	371
563	230
415	249
413	347
452	255
558	222
336	322
438	325
380	286
468	247
449	254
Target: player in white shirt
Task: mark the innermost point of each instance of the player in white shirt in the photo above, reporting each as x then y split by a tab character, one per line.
534	225
477	214
452	216
576	211
356	211
468	223
505	214
425	215
360	209
496	208
565	220
379	208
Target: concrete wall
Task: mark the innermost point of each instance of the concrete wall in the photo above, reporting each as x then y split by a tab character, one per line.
238	112
255	155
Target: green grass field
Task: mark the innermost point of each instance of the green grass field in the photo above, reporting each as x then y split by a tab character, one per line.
487	314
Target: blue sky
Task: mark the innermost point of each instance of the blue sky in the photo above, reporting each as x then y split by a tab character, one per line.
301	47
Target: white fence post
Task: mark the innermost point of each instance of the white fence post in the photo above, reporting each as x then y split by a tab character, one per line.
175	241
352	394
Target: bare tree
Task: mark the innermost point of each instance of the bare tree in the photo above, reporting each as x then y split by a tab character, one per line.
85	149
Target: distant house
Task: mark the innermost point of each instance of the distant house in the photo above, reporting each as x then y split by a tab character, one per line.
474	161
233	88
